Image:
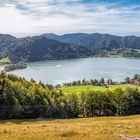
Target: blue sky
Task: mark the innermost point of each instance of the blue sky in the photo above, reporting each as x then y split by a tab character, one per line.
32	17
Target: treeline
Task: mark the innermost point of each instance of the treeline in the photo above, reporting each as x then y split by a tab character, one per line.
84	82
134	80
102	82
93	82
20	99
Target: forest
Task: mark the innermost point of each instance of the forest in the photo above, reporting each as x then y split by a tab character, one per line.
21	99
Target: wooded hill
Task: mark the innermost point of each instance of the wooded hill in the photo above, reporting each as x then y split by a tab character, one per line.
51	46
39	48
98	41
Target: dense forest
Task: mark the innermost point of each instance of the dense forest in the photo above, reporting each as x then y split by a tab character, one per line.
51	46
27	99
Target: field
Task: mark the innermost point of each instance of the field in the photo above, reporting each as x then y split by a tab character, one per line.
79	89
5	60
104	128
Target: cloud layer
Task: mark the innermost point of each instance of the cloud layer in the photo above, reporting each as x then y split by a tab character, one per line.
25	17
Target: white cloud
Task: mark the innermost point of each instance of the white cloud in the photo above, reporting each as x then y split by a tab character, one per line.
11	20
66	16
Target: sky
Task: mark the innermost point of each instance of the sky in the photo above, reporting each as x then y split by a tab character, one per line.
34	17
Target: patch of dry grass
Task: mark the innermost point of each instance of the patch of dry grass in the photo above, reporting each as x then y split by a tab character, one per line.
104	128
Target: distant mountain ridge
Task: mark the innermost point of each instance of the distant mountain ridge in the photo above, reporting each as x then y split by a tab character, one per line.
51	46
39	48
6	37
98	41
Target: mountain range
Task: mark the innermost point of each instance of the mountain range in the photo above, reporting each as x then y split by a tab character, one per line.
98	41
51	46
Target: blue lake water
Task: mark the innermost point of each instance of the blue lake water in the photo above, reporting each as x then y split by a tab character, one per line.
59	71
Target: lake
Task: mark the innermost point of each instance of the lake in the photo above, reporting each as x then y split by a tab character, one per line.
59	71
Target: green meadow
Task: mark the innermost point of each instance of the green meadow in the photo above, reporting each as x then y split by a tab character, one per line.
78	89
5	60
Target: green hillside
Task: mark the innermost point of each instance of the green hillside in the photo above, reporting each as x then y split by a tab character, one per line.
78	89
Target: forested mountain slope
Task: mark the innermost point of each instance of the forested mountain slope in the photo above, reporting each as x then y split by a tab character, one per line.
51	46
99	41
40	48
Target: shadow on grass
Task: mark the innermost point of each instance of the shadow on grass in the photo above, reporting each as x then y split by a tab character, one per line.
20	121
95	118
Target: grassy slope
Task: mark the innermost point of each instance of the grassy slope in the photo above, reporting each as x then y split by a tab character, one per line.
5	60
79	89
104	128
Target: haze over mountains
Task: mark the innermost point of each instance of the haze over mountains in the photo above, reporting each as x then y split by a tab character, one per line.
52	46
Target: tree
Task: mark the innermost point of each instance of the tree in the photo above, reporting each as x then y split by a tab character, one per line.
79	83
110	82
136	76
127	80
72	105
92	82
102	81
32	80
96	82
74	83
120	101
133	103
2	82
84	82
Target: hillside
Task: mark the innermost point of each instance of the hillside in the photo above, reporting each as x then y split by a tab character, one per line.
103	128
6	37
79	89
99	41
40	48
5	43
51	46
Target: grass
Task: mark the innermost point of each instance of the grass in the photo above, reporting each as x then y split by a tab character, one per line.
78	89
5	60
102	128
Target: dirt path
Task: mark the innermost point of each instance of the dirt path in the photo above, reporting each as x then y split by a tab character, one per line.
126	137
